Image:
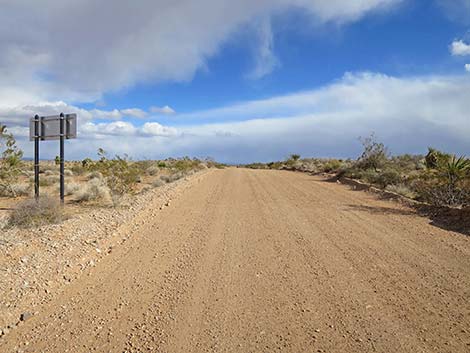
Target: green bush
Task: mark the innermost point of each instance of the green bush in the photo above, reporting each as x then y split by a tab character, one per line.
388	177
11	164
332	165
374	156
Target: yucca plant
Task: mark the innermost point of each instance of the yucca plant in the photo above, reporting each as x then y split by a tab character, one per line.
456	169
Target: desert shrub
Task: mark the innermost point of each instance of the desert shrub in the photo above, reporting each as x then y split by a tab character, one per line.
172	177
370	176
50	172
143	166
87	162
71	188
152	170
161	164
32	213
388	177
10	160
435	159
375	154
447	184
47	180
68	172
332	165
16	190
408	163
157	183
78	169
119	174
94	190
401	189
94	175
165	178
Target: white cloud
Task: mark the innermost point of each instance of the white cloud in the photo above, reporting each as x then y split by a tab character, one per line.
266	60
155	129
460	48
134	112
153	40
467	67
166	110
104	114
408	114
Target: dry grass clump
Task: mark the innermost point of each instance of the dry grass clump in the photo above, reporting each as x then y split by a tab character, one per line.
32	213
14	190
94	175
172	177
401	189
71	188
51	172
157	183
153	170
94	190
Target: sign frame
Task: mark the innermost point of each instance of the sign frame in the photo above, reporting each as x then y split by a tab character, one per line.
56	127
49	127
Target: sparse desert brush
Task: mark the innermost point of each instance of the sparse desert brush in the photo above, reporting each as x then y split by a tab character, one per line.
375	154
153	170
32	213
14	190
94	190
68	172
71	188
402	189
165	178
332	165
50	180
388	177
172	177
447	184
94	175
50	172
78	169
157	183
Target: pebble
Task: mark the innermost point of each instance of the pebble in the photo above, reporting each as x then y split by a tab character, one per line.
25	316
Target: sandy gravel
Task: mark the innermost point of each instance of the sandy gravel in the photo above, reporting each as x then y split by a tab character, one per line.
265	261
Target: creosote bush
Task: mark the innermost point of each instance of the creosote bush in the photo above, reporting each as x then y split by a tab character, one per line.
11	163
32	213
94	190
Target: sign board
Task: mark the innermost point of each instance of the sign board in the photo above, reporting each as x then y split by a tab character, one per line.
49	127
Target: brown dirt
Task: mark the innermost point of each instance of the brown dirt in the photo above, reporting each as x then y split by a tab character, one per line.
261	261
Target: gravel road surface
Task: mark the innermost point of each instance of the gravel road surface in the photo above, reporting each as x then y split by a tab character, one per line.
266	261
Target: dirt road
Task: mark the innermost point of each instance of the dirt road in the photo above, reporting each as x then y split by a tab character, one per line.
265	261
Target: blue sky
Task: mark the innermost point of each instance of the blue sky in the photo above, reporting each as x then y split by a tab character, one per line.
412	39
242	82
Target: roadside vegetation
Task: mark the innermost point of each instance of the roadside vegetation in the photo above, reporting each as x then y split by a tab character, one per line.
436	178
105	181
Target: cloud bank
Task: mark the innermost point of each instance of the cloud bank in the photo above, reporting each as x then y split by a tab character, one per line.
408	114
77	50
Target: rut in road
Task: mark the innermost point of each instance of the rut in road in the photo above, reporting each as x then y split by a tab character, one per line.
260	261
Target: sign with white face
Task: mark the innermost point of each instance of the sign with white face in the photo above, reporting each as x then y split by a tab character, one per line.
49	127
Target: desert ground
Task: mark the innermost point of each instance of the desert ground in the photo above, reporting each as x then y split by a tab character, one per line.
247	260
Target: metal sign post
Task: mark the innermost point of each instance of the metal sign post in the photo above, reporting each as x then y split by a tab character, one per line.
62	132
36	157
57	127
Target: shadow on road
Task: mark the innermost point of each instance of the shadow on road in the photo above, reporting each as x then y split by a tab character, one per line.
382	210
